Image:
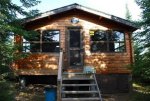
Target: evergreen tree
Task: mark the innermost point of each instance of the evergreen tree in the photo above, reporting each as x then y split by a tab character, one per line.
10	24
145	23
128	14
142	45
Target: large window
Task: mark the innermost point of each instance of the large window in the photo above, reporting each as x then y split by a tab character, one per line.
107	41
47	41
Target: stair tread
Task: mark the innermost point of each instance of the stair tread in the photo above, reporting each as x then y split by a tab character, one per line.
78	84
78	73
78	78
81	99
79	92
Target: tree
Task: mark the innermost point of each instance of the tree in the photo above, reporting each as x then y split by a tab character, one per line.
128	14
142	43
10	24
145	23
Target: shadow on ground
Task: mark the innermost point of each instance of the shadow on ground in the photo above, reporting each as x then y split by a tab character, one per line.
36	93
31	93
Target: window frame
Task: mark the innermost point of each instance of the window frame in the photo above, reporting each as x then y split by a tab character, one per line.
40	42
108	42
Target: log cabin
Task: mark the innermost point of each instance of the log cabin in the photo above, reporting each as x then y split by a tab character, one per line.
74	38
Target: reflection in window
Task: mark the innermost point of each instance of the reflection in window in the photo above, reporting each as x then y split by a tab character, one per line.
95	46
99	36
48	41
50	36
118	36
107	41
119	47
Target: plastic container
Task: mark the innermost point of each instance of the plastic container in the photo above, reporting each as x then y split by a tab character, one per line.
50	94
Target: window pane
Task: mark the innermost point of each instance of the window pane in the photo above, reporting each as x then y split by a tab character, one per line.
111	47
107	41
116	47
50	36
34	47
75	38
98	46
26	47
32	37
119	47
29	44
118	36
50	47
50	41
99	36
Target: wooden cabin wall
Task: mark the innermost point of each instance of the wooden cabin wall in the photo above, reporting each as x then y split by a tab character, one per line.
47	63
37	64
110	62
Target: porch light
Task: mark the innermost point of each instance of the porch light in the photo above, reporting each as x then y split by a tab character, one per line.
74	20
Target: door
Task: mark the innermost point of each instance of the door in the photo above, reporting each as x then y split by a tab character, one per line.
75	48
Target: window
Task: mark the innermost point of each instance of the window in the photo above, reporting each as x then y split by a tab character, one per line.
47	41
107	41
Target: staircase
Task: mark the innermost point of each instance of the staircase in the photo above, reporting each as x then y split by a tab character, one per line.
79	87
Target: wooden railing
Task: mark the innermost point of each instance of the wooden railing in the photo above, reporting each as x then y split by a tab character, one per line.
59	76
98	88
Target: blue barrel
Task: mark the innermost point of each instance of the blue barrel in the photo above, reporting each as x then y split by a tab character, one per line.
50	94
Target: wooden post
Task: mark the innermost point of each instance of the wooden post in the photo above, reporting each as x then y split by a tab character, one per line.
59	78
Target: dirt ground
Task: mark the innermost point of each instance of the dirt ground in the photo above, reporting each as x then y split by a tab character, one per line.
36	93
31	93
116	97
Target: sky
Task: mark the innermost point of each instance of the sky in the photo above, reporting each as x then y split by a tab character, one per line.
113	7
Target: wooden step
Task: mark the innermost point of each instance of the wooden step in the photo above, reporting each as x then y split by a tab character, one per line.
81	99
74	78
71	70
76	73
77	76
79	92
78	84
74	91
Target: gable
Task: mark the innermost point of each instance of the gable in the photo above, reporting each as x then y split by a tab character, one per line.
81	12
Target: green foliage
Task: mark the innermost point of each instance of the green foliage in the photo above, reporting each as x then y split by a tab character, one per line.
141	67
128	14
145	22
10	24
142	44
8	91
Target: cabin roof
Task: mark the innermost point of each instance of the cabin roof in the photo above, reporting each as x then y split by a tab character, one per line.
76	6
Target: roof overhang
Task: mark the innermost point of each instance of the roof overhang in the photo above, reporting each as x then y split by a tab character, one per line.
91	11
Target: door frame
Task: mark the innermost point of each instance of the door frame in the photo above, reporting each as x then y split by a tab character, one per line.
81	46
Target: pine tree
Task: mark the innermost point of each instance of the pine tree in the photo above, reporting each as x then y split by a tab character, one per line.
128	14
142	49
10	24
145	23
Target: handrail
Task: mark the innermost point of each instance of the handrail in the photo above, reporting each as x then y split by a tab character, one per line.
59	76
98	88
